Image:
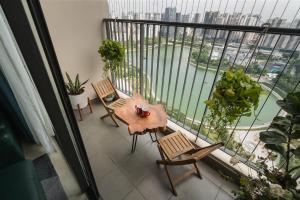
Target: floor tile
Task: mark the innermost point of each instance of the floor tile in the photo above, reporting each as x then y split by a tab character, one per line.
101	165
114	185
194	188
154	187
224	196
134	195
136	167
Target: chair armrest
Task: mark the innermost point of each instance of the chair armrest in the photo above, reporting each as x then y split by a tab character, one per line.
177	162
201	153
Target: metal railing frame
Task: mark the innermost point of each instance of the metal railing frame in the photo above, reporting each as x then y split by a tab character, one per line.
206	29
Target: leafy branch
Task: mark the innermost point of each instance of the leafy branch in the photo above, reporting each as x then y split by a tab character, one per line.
112	53
234	96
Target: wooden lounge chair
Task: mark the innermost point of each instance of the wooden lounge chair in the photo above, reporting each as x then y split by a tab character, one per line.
173	147
103	89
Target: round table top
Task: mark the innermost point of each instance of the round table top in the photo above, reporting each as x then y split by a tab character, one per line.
136	124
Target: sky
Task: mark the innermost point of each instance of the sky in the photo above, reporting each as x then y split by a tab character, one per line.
287	9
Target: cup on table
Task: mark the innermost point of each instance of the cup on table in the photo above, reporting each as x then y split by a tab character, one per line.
139	108
145	111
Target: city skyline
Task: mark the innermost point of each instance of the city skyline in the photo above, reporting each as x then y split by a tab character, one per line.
285	9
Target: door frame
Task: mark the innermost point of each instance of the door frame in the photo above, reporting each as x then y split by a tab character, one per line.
70	142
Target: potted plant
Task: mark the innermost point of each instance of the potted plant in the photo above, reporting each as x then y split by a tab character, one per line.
281	138
75	91
110	97
235	95
112	53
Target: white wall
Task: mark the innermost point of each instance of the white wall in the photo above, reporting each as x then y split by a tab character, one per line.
77	30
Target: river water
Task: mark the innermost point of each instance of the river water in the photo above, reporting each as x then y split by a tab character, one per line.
185	75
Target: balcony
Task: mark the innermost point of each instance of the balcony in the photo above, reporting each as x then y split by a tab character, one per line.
178	64
162	64
120	174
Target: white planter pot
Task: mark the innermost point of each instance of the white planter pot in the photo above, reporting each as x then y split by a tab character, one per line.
78	99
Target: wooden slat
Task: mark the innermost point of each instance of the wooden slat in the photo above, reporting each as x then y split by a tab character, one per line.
118	103
184	140
167	142
104	88
175	144
180	143
167	150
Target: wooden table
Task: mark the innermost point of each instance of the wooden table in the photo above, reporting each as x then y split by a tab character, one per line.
138	125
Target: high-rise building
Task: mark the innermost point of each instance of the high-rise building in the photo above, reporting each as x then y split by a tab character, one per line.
244	20
210	17
290	42
156	16
271	39
197	18
178	17
148	16
234	18
186	18
169	16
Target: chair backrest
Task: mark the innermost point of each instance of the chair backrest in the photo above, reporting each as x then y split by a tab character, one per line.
175	144
104	88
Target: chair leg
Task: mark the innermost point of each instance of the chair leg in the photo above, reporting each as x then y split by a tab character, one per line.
112	117
170	180
159	162
198	171
106	115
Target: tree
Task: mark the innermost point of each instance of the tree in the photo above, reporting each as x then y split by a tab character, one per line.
203	57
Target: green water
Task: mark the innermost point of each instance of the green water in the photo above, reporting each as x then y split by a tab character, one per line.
269	110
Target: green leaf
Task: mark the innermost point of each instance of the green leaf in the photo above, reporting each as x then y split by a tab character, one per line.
84	82
272	137
281	120
291	103
280	129
77	84
296	152
277	148
296	175
69	78
295	135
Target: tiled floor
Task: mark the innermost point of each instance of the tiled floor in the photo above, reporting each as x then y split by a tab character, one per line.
66	176
122	175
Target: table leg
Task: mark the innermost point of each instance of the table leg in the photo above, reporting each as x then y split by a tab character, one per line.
134	141
132	144
152	137
155	137
136	137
